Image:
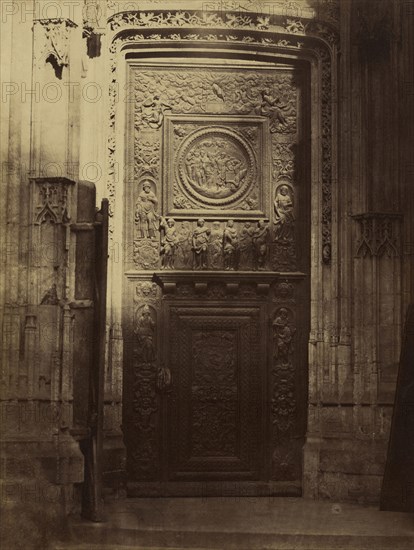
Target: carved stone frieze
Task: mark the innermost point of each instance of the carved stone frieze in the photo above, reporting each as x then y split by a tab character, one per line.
379	234
292	21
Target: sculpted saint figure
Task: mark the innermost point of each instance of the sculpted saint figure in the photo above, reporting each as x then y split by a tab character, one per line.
215	248
168	243
246	246
184	245
146	215
230	246
284	218
201	236
283	334
144	330
260	243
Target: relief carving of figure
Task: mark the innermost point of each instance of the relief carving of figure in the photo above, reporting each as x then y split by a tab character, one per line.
168	243
153	111
274	108
184	245
215	248
284	217
216	168
246	245
261	244
146	215
201	236
145	332
283	334
230	246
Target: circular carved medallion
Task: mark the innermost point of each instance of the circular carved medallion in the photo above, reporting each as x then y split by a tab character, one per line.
215	166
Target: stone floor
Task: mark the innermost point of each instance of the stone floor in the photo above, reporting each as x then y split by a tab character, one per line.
243	523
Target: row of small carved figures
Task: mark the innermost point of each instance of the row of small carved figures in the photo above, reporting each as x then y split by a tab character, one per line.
216	241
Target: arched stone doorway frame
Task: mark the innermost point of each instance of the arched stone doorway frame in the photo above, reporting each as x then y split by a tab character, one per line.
253	35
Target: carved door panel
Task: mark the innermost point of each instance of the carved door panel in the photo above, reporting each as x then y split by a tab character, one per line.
215	409
216	301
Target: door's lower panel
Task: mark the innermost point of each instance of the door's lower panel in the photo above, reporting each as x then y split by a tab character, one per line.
215	419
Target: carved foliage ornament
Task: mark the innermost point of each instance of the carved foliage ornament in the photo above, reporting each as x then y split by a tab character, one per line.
221	20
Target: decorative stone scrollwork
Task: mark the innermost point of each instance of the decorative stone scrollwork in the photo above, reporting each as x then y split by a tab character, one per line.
283	373
379	234
142	437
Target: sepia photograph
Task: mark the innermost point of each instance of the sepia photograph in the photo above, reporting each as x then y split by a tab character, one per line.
207	275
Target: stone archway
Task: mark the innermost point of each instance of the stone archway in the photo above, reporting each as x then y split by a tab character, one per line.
135	37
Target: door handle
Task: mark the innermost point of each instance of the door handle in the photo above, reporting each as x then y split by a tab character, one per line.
164	380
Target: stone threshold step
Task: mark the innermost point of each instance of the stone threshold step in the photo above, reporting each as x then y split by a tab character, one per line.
188	540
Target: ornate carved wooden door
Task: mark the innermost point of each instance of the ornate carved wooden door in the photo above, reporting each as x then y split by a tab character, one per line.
216	292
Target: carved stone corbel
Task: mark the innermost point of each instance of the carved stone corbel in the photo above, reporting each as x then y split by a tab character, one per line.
52	42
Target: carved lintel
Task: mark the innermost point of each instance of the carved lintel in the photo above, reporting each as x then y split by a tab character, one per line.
50	200
379	234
